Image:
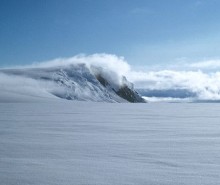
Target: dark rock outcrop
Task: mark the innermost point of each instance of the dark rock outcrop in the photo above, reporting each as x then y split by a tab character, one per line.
123	91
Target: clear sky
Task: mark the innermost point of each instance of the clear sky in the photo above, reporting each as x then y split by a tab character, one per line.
145	32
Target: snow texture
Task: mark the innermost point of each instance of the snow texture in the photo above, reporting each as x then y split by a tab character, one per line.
62	142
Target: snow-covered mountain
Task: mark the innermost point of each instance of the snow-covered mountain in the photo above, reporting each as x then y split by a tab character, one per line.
73	82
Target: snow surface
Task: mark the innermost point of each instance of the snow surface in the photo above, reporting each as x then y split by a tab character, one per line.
84	143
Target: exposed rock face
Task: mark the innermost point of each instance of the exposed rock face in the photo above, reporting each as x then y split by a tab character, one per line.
123	91
129	95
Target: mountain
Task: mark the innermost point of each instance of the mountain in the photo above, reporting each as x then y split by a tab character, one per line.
72	82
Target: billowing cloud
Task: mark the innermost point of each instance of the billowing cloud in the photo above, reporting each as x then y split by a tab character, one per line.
193	81
205	86
106	61
111	66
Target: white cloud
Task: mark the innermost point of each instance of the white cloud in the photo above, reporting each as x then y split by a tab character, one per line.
206	86
194	77
106	61
207	65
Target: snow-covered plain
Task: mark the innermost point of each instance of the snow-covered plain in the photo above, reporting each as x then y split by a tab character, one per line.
82	143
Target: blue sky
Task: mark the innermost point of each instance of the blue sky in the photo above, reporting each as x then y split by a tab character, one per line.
145	32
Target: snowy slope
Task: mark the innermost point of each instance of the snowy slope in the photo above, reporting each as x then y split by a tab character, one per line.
72	82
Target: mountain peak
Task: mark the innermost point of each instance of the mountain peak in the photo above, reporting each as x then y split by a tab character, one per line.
73	82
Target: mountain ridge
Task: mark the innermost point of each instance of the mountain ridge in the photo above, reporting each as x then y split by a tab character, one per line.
75	82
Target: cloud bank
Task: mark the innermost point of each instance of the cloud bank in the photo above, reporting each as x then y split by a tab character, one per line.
204	86
198	81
